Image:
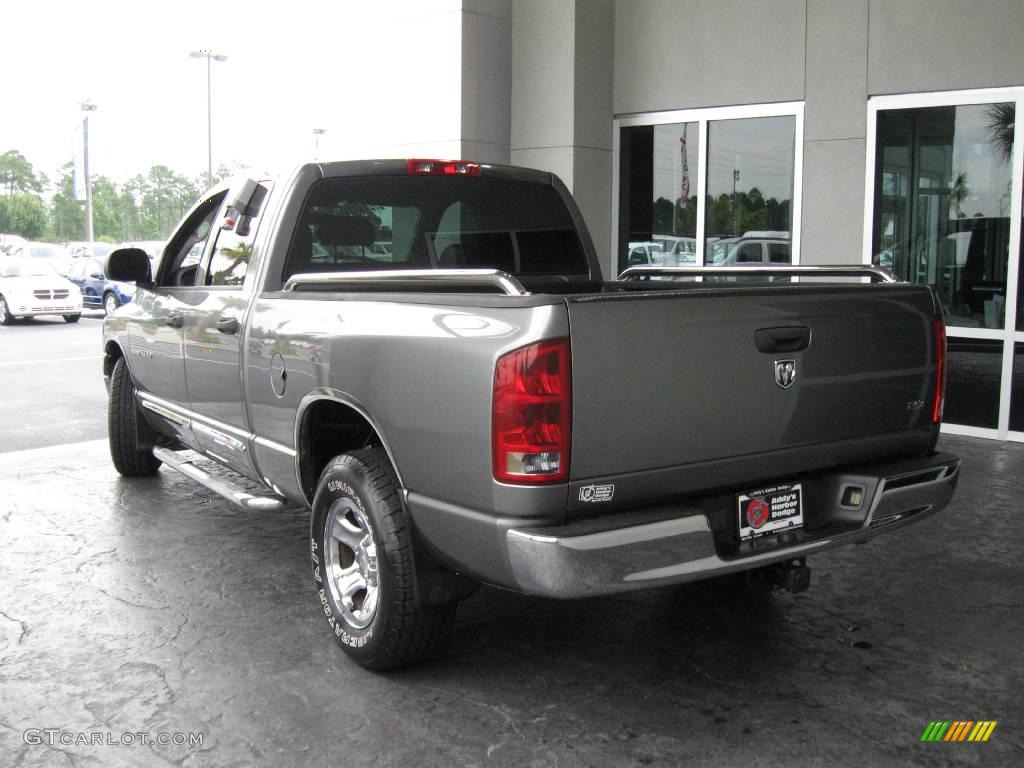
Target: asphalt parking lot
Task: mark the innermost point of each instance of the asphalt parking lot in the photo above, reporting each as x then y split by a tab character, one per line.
134	611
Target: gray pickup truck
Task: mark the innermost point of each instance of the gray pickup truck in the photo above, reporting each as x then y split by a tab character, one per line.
425	353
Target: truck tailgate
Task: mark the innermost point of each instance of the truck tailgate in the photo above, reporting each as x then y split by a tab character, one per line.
667	380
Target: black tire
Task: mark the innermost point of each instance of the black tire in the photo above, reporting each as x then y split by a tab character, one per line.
131	438
72	318
380	626
6	318
110	303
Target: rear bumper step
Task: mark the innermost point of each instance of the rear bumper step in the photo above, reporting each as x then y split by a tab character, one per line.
570	561
182	462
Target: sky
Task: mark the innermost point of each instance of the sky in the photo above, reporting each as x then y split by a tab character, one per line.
376	75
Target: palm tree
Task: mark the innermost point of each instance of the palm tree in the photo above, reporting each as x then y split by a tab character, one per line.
1001	119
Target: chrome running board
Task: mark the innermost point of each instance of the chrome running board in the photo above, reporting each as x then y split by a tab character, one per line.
219	485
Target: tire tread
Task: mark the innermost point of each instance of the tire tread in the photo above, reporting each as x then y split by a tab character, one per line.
131	458
414	632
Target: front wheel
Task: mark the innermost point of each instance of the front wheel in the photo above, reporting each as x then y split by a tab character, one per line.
110	303
362	556
131	438
72	318
6	318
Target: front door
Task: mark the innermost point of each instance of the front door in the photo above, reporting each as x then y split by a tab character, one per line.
155	323
214	331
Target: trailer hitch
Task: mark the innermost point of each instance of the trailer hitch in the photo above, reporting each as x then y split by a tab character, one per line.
791	575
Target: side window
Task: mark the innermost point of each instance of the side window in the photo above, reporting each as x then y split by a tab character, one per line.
355	225
232	250
749	253
185	248
94	268
778	253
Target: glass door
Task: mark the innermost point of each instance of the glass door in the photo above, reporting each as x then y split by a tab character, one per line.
945	211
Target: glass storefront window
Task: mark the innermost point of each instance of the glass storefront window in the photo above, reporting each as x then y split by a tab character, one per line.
749	190
1017	389
742	198
942	204
659	191
973	374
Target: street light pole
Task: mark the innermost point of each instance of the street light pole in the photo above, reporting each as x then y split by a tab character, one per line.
210	57
735	210
87	107
317	133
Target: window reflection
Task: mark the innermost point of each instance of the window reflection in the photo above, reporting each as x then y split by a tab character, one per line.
750	186
659	194
942	205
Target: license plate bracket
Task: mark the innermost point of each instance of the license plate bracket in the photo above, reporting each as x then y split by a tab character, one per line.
770	510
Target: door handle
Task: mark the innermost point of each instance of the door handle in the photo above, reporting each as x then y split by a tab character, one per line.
176	321
228	325
786	339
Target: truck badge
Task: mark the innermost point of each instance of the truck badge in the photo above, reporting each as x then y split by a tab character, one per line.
785	373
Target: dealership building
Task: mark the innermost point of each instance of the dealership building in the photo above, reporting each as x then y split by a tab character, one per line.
803	131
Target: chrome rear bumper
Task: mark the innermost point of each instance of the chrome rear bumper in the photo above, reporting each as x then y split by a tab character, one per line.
586	559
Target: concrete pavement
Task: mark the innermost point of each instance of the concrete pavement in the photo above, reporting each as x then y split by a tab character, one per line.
148	608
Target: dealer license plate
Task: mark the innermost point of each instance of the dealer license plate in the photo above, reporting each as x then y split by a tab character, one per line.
770	510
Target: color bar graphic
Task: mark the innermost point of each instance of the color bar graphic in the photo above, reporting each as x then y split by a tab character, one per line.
959	730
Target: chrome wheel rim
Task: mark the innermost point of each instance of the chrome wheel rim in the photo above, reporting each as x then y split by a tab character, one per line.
3	308
352	576
110	304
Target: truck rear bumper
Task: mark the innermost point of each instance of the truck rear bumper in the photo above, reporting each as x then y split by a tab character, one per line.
607	556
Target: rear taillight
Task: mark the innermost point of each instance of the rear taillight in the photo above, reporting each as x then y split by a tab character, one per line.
940	371
442	168
531	414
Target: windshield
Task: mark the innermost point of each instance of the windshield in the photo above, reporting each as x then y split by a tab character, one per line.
26	268
45	251
101	249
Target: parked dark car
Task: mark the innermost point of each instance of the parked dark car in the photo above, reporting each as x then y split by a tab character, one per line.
97	291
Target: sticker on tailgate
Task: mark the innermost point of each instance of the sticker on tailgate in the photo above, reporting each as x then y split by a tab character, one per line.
770	510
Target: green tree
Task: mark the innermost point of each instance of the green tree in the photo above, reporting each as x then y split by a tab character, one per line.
67	216
17	174
23	215
107	217
164	198
663	218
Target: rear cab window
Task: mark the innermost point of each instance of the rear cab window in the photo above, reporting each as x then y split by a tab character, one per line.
416	222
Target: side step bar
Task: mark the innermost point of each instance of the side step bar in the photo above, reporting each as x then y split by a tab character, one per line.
233	493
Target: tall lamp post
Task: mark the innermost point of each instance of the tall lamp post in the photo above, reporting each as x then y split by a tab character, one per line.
87	107
317	133
735	210
210	57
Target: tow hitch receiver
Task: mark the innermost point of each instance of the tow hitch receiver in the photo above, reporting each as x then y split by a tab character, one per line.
791	575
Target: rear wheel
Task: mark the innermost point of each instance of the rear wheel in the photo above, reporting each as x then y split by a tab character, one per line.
362	557
110	303
131	438
72	318
6	318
